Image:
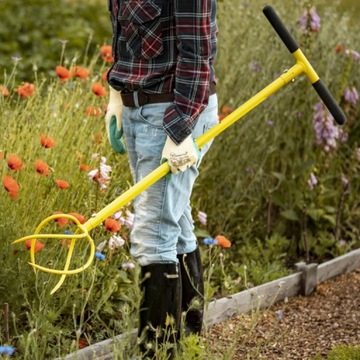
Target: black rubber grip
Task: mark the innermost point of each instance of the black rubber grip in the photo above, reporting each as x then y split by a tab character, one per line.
280	28
292	46
329	101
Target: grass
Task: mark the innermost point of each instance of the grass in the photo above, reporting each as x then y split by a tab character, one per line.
344	352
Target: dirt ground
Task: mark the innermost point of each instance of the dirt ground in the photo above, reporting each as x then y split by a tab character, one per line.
297	329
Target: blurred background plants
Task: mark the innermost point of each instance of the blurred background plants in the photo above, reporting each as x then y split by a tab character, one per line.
289	193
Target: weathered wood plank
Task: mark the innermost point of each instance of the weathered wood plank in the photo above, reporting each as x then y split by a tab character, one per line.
222	309
105	349
254	298
340	265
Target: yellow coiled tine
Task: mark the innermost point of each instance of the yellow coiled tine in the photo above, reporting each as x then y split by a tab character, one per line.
81	233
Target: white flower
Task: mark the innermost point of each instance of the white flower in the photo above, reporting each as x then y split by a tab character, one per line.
92	175
128	265
128	219
101	246
202	217
116	241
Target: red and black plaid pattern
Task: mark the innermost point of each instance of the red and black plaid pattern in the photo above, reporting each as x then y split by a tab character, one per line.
164	46
141	22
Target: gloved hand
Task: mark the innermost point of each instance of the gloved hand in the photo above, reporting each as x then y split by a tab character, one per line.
113	121
180	157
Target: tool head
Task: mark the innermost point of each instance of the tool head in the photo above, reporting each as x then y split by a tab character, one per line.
81	233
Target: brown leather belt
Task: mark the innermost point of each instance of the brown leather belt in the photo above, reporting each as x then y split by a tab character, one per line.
139	98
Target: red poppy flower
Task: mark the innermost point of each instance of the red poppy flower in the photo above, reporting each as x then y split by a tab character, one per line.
98	138
62	221
80	72
38	245
62	73
62	184
104	75
112	225
26	90
14	162
81	218
11	186
224	112
339	48
222	117
106	53
4	91
223	241
82	343
93	111
99	89
84	167
47	142
42	168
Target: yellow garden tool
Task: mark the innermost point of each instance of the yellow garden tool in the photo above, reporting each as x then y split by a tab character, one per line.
302	65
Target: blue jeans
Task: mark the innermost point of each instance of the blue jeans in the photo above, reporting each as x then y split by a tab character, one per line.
163	224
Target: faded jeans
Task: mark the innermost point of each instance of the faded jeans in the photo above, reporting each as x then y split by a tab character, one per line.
163	223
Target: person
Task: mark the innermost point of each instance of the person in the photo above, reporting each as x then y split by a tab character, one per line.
162	96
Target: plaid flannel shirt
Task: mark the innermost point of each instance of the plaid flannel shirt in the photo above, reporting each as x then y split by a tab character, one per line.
166	46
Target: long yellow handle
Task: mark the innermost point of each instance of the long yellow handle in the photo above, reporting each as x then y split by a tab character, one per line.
302	65
163	169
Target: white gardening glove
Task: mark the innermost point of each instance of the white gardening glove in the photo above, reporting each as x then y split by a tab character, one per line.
113	121
180	157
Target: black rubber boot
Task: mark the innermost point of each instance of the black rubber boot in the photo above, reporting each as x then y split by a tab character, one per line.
192	289
160	311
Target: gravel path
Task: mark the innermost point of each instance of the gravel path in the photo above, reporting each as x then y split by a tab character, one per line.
297	329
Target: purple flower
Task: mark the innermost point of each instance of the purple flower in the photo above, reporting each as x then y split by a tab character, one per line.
255	66
351	95
312	182
311	19
355	55
326	132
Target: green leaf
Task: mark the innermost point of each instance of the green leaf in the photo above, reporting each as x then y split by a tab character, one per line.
279	176
201	233
290	215
305	166
315	214
331	219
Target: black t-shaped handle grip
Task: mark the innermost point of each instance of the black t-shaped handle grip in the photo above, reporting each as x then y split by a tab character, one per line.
292	46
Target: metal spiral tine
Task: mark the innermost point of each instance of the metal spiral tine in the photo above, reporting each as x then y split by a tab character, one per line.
81	233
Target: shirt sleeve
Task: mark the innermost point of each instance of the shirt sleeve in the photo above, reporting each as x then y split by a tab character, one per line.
192	83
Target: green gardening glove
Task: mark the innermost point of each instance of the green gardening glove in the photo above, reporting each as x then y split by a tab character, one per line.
113	122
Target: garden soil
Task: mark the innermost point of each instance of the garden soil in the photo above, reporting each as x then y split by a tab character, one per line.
296	329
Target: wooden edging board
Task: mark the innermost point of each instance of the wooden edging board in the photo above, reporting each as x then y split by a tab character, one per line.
254	298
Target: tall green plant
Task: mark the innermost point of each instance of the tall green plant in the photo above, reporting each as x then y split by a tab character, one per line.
259	170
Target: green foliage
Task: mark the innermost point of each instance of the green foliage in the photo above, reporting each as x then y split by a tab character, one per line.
98	303
258	170
32	29
344	352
